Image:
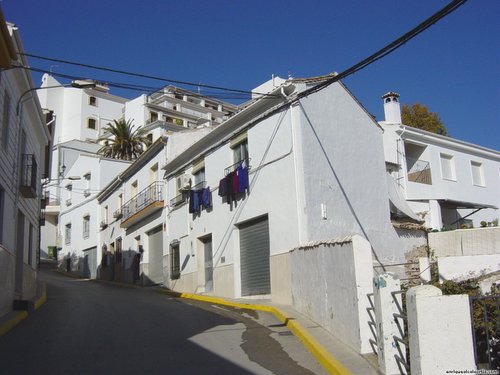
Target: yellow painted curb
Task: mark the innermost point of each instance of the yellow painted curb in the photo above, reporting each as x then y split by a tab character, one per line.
328	361
43	298
11	323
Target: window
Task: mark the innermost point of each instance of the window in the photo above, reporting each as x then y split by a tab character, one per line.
91	123
93	101
175	261
69	189
240	147
67	234
86	226
477	173
118	257
4	131
133	189
87	177
30	245
153	116
105	216
447	167
199	177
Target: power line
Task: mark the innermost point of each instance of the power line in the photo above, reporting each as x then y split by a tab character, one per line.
140	74
140	88
454	5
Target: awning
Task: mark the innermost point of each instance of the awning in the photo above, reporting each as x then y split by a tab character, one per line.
448	203
398	202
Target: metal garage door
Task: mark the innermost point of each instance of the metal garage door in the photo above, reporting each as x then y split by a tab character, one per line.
90	262
254	258
155	255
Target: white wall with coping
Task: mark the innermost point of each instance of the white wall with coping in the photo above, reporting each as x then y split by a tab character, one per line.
461	268
478	241
330	283
439	329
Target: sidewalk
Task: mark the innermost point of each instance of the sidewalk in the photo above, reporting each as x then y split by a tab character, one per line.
331	353
13	318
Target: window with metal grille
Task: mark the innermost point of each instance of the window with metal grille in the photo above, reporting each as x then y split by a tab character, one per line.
175	261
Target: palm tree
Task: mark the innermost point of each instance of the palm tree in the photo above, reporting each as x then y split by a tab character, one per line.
122	141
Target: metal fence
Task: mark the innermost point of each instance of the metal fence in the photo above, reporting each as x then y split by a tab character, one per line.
153	193
401	341
485	317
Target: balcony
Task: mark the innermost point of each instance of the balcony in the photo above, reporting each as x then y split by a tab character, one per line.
419	171
178	199
27	185
143	204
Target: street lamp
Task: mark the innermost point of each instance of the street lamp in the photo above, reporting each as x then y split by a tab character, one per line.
78	84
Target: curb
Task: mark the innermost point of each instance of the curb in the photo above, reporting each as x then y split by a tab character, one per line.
19	316
328	361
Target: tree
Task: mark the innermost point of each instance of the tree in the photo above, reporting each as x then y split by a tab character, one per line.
418	116
122	141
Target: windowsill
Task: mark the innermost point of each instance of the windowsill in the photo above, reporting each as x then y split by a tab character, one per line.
479	186
449	179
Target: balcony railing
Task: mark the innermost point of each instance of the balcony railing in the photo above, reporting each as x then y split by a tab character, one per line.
153	193
419	171
178	199
27	184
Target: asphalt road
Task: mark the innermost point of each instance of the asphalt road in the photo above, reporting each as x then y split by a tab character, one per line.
94	328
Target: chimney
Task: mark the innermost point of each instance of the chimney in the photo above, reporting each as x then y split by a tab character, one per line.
392	110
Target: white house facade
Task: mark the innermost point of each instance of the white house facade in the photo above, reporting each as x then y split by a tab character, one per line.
308	170
448	183
23	138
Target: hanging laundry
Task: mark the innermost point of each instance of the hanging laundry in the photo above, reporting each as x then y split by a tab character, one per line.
223	187
242	173
194	201
206	197
236	182
231	193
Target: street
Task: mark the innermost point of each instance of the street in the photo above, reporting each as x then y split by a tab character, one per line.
88	327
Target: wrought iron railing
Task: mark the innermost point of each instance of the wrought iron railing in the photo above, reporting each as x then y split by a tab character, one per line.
153	193
178	199
372	323
485	317
28	179
419	171
232	167
401	341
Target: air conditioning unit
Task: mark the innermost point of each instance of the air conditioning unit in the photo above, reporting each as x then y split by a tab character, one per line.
183	183
104	224
117	214
86	192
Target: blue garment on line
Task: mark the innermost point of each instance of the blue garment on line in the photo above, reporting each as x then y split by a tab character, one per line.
206	197
242	173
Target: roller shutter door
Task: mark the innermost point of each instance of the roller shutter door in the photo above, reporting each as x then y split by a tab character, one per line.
156	255
254	258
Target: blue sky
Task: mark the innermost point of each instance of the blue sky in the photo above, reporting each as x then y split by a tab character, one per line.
453	67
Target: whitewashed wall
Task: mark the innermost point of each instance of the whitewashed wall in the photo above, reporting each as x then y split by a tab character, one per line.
344	170
479	241
330	283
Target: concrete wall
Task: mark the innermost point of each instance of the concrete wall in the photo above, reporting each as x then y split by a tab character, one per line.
330	283
224	281
480	241
439	331
281	279
460	268
7	267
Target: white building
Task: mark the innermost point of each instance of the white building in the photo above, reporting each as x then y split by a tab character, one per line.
316	173
78	119
23	138
447	182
